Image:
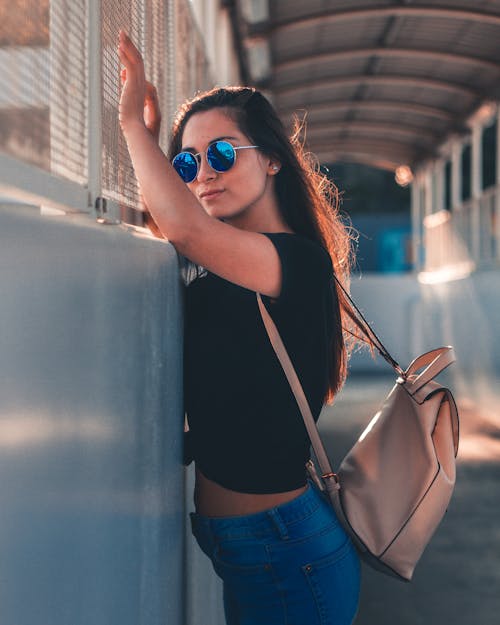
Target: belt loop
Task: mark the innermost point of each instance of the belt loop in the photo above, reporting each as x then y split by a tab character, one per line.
278	521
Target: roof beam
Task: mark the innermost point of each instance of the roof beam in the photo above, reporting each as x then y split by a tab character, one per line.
386	144
380	79
376	105
380	149
328	17
373	128
352	156
430	55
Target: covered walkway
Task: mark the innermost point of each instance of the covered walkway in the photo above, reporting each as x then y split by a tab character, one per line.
382	82
409	86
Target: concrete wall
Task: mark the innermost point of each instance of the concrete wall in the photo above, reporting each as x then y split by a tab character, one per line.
411	318
92	502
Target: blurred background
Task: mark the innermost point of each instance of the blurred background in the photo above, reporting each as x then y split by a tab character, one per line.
401	100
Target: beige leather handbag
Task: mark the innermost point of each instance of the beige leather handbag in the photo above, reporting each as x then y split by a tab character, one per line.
394	486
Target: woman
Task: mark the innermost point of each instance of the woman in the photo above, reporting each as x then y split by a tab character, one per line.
241	203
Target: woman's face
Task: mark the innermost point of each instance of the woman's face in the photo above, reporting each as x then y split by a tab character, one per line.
243	192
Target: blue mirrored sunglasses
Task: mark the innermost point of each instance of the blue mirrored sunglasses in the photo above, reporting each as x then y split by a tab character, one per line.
221	156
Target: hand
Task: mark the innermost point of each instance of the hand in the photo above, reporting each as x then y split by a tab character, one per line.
133	96
152	111
138	103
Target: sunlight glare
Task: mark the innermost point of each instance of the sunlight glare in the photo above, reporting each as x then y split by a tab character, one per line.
370	426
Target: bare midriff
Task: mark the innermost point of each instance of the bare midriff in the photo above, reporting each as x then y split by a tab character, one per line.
213	500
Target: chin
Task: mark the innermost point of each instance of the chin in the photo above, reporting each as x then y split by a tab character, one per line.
213	212
222	215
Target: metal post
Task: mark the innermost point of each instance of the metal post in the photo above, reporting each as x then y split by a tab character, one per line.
171	85
428	197
456	175
416	226
94	106
439	182
476	177
496	220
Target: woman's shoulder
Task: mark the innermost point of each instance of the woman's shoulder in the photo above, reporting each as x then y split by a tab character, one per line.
306	272
301	248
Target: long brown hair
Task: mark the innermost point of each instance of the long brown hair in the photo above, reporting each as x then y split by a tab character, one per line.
307	198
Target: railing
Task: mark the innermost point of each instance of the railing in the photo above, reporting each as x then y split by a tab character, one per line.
446	254
489	227
457	242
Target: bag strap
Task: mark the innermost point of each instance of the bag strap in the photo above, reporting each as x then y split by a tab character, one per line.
298	391
436	360
365	326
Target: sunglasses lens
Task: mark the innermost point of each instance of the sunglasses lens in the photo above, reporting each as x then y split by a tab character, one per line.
221	155
186	165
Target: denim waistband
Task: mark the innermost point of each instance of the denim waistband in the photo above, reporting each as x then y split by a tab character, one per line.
261	523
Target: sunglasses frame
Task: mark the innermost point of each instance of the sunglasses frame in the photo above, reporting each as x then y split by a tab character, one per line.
197	158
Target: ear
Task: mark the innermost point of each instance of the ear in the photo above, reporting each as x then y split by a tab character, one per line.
273	167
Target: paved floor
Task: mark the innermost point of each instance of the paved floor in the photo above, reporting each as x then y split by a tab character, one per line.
457	581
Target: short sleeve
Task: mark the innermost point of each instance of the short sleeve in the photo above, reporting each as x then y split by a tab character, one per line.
306	270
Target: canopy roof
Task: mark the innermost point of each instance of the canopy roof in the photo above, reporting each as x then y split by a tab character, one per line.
383	82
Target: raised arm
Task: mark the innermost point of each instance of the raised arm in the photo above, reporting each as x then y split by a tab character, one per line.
152	121
244	257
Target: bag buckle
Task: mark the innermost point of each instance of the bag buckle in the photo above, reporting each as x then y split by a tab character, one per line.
327	476
334	477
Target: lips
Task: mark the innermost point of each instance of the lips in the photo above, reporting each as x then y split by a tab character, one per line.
210	194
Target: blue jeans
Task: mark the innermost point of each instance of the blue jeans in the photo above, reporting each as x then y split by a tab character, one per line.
289	565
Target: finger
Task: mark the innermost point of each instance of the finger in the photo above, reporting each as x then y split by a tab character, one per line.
129	47
151	92
134	71
124	58
125	55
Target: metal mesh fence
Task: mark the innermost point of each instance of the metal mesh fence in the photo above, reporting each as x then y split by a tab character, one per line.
43	83
164	32
48	64
118	181
192	67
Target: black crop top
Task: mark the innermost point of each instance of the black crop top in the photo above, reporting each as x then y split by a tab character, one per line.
246	431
